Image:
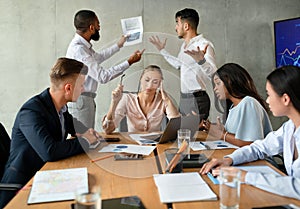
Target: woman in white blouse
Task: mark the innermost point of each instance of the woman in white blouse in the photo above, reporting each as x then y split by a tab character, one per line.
145	110
284	100
247	117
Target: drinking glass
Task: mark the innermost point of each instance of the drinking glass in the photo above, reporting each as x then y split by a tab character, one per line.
229	188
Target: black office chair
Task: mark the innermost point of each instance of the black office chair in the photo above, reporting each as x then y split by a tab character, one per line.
4	154
277	161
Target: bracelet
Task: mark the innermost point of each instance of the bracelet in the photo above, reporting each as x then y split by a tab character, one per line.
201	62
224	137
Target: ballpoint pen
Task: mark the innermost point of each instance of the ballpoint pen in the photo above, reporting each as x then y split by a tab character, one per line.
121	81
205	145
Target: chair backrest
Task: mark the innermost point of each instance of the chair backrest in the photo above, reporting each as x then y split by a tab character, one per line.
4	148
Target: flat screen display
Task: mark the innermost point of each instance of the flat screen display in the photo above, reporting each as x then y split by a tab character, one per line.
287	42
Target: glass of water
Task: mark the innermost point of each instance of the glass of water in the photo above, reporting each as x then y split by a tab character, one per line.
184	135
229	188
88	199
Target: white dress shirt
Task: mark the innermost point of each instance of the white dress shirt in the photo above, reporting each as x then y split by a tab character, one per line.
193	76
285	140
81	50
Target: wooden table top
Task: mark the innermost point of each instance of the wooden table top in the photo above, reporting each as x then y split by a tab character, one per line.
128	178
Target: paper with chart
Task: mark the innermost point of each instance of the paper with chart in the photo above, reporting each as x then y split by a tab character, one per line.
182	187
57	185
128	148
134	27
219	144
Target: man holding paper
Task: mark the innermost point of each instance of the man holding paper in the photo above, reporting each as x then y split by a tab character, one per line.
87	28
42	125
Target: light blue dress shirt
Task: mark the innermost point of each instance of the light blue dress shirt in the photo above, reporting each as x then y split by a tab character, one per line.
248	120
285	140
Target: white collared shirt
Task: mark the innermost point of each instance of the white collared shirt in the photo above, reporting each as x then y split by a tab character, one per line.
81	50
285	139
193	76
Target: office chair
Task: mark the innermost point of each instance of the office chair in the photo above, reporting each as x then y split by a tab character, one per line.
277	161
4	154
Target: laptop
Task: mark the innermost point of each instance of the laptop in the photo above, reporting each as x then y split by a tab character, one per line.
170	133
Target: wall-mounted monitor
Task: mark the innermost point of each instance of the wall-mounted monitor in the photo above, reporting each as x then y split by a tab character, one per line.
287	42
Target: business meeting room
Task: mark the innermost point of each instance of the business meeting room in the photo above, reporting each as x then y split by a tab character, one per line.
150	104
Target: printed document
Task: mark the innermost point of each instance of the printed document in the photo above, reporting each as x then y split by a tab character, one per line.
57	185
134	27
128	148
182	187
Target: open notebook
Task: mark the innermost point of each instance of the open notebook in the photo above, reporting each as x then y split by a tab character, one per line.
182	187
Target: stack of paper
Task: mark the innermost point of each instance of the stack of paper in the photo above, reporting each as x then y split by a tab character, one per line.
182	187
57	185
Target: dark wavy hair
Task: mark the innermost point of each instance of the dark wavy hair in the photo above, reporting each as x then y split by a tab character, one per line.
285	80
238	83
189	15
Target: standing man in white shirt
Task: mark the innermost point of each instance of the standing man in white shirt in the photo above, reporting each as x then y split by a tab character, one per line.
87	28
196	62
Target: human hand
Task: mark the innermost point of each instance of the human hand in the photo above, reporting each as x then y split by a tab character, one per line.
215	163
215	131
116	94
197	55
135	57
122	40
231	169
164	95
91	135
157	43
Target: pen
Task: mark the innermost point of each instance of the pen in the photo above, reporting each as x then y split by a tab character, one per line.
102	158
205	145
121	81
212	178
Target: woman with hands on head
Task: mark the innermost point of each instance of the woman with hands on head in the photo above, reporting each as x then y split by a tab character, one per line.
284	100
145	110
247	119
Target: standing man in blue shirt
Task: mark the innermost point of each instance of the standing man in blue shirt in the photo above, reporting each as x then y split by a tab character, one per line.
87	28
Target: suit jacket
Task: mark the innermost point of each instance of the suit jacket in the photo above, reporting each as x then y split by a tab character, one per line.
37	139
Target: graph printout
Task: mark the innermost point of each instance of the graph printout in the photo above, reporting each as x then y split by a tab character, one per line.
287	42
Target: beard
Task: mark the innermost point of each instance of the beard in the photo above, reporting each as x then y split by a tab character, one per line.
96	36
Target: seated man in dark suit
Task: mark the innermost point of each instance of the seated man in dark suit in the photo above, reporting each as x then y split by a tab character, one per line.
42	125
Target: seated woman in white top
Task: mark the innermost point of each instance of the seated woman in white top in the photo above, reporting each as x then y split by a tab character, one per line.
284	100
247	119
145	110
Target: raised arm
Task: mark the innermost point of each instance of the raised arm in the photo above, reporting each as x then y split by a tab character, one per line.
108	124
171	109
160	45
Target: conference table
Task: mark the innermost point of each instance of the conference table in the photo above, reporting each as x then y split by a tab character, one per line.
135	178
